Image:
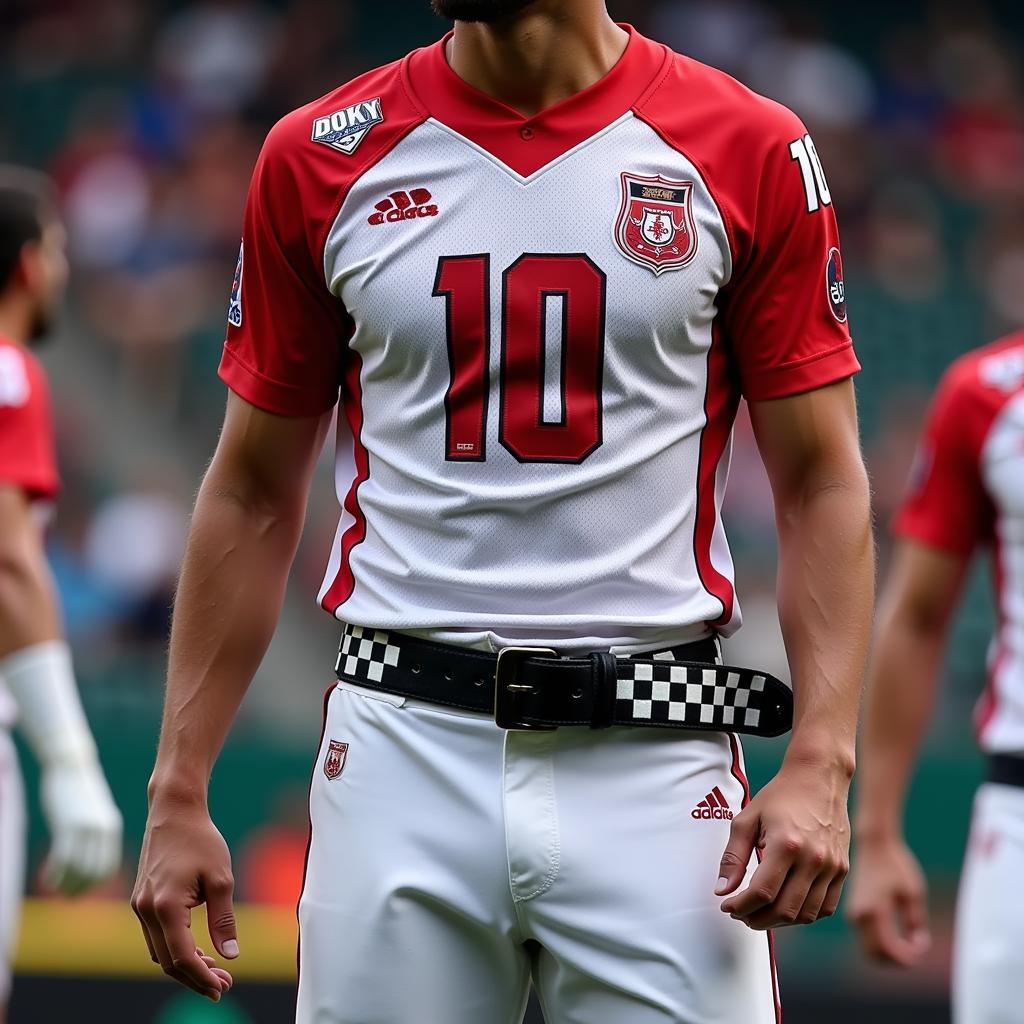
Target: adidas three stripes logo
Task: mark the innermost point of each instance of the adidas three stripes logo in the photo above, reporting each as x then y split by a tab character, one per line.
713	806
403	206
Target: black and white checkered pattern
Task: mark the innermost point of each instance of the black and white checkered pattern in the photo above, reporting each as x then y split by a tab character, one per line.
674	693
365	653
662	688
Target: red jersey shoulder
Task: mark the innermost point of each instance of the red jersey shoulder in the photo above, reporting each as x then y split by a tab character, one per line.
977	385
947	504
743	145
349	128
692	91
27	457
315	154
716	118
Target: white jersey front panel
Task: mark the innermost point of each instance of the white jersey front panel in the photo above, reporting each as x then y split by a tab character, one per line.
593	551
1003	472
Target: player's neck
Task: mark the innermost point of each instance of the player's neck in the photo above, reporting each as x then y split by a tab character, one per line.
15	319
550	52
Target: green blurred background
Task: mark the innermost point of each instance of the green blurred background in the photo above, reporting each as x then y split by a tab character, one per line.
149	116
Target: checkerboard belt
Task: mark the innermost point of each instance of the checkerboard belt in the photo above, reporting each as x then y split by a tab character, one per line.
685	687
657	692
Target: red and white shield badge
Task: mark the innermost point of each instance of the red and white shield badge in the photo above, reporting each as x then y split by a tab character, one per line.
334	762
655	226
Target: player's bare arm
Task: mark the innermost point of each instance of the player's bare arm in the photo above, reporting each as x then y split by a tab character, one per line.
810	447
245	529
888	897
28	608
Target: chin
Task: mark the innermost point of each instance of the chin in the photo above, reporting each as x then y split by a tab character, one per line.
486	11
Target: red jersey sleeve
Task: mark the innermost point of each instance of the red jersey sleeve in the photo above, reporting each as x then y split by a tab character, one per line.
947	505
27	451
785	310
286	331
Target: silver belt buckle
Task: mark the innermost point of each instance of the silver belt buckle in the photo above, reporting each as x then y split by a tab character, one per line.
508	690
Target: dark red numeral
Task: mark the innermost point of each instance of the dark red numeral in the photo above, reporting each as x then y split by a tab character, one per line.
580	288
464	281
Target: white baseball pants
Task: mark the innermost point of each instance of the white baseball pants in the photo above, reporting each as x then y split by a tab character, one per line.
989	947
12	857
451	863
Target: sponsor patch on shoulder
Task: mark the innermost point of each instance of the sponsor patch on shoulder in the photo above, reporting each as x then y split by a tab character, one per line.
345	129
235	305
836	285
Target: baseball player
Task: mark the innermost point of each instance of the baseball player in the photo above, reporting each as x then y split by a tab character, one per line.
37	684
539	261
967	493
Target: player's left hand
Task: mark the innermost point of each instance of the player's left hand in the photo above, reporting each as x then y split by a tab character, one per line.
801	823
85	825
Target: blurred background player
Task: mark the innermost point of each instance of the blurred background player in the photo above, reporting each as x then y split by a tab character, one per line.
37	684
967	491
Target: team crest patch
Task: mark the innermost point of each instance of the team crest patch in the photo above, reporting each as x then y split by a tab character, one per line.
334	762
345	129
655	225
235	305
836	285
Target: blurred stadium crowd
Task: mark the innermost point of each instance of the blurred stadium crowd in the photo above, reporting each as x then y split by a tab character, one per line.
150	115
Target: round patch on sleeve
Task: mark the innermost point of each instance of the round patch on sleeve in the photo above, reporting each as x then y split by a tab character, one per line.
836	287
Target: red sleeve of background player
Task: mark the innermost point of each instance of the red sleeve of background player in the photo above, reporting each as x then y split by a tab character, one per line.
286	331
785	307
946	505
27	456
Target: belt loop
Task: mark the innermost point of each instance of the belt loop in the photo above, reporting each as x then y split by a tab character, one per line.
605	676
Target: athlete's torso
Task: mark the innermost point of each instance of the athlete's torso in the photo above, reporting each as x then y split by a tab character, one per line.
27	452
970	492
545	326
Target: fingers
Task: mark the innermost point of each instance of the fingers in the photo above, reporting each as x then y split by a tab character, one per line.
764	886
742	837
174	921
165	925
796	883
799	900
913	906
894	929
220	914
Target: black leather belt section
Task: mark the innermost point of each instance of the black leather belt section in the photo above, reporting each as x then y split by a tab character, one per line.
528	688
1006	770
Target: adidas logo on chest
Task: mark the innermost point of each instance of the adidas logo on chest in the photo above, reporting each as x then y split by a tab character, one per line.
401	206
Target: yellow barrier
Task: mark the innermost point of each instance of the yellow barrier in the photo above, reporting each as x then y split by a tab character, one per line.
103	938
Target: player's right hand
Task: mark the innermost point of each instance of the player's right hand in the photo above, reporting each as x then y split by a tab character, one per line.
185	862
888	902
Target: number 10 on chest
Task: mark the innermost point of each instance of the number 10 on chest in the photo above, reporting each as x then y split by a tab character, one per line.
580	286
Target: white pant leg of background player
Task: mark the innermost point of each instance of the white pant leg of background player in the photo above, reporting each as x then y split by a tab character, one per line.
12	857
989	948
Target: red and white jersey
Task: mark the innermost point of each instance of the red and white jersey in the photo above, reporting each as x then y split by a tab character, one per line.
27	452
967	491
540	328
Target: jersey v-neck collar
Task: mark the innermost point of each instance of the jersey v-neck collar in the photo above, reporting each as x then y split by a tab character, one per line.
526	144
